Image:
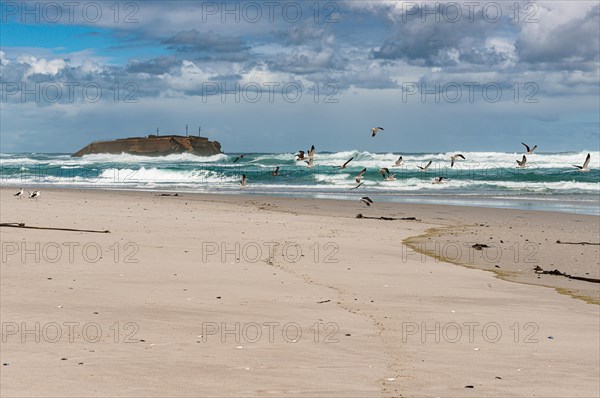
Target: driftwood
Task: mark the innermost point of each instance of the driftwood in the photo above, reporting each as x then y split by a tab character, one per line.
479	246
388	218
577	243
168	194
540	270
22	225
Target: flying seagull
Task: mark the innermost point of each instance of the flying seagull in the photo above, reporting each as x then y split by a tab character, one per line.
19	194
585	164
239	157
374	131
360	175
426	166
311	152
244	182
529	151
454	157
438	180
345	164
385	173
276	172
359	184
310	162
366	200
300	156
35	194
398	162
522	162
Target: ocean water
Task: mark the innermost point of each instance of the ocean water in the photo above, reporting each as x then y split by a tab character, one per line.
489	179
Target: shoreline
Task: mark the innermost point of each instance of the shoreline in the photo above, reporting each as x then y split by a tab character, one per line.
360	299
569	206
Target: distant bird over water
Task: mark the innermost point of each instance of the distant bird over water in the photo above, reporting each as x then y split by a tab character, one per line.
19	194
385	173
424	168
360	175
311	152
585	164
310	162
239	157
375	130
529	151
398	162
276	172
244	182
438	180
345	164
300	155
454	157
523	162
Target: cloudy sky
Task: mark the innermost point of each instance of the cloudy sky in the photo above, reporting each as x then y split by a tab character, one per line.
276	76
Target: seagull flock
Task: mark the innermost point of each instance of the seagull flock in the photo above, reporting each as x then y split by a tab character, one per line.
302	156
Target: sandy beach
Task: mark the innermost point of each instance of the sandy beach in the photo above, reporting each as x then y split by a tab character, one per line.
243	295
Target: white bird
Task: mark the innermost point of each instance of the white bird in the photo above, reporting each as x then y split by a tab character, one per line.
310	162
398	162
529	151
374	131
585	164
19	194
385	173
366	200
360	175
438	180
276	172
359	184
244	182
522	162
311	152
345	164
426	166
35	194
454	157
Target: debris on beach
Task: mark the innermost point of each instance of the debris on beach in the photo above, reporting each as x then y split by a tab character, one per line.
479	246
324	301
540	270
359	215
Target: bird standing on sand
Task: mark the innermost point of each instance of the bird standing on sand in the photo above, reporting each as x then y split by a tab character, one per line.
585	164
345	164
375	130
239	157
244	182
522	163
454	157
366	200
19	194
276	172
398	162
529	151
424	168
360	175
35	194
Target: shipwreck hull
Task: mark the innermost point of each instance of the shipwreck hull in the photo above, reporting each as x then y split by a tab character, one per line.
154	146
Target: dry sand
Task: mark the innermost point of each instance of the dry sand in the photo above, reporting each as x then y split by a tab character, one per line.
195	316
